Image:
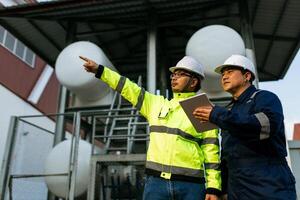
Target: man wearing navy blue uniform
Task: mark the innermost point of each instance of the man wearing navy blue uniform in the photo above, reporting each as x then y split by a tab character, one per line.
253	138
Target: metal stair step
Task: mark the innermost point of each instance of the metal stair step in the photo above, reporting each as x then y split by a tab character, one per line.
120	128
116	148
118	138
139	139
122	118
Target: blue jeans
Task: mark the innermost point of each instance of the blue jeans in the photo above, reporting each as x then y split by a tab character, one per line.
162	189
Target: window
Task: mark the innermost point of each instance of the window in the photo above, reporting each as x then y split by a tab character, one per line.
2	31
16	47
29	56
20	48
9	41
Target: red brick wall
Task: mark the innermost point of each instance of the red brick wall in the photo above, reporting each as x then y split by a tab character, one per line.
49	100
296	135
16	75
20	78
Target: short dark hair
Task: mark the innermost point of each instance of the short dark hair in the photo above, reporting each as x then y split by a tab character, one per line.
244	71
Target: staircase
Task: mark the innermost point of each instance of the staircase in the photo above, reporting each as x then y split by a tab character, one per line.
120	131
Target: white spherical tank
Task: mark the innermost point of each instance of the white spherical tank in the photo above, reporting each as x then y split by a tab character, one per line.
211	46
57	162
70	71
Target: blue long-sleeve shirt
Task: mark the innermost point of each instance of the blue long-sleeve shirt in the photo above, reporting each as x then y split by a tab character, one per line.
253	126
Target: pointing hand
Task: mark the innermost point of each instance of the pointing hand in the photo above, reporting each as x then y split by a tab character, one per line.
89	65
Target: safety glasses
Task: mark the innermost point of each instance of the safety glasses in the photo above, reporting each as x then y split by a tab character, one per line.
179	75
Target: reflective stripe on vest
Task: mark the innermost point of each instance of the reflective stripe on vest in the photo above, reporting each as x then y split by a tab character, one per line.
141	96
177	131
215	166
121	84
140	99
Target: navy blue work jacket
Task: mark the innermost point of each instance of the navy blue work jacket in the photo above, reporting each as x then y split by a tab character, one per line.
253	127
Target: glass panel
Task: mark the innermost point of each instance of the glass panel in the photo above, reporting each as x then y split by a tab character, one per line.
9	41
20	49
1	34
33	143
29	56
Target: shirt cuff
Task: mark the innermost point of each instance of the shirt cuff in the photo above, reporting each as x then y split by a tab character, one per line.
99	71
213	114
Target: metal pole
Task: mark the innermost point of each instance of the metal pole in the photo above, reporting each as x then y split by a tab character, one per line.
164	64
60	120
63	93
74	159
63	97
247	34
91	186
151	58
10	141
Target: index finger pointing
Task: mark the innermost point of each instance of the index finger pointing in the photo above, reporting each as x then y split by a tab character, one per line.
84	58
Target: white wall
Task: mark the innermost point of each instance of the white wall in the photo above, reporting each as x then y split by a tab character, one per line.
12	105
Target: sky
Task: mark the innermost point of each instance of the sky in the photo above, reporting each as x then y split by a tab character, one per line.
288	91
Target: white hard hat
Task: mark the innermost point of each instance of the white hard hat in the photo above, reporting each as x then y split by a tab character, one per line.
237	61
190	64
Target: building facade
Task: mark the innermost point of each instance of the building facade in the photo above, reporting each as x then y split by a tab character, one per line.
28	86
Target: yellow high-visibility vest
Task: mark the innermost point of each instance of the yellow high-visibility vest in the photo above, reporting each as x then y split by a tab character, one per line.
175	147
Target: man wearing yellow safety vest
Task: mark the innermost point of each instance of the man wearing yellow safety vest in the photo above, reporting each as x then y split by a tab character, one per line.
181	163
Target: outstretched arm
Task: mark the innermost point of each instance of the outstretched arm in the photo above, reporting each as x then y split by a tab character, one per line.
128	89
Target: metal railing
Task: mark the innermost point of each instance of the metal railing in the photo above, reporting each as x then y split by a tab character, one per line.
87	122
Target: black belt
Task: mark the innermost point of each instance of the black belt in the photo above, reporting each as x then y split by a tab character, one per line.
175	177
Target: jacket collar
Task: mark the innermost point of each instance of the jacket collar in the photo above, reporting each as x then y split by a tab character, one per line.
180	96
246	94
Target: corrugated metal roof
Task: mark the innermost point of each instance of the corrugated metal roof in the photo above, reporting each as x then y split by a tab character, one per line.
120	29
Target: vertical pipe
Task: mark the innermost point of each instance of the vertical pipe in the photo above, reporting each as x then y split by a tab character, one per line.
164	63
62	100
59	126
247	34
94	182
128	187
74	158
151	59
113	187
63	93
118	187
10	141
103	186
